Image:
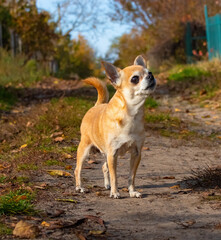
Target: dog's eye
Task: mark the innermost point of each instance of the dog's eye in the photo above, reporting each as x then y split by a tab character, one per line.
135	79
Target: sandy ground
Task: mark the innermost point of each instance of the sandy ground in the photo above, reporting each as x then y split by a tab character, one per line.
166	211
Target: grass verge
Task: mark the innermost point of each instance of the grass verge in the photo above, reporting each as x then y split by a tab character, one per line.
17	202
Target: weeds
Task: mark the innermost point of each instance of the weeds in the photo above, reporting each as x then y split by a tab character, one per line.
14	71
7	98
4	230
28	166
151	103
188	73
17	202
205	178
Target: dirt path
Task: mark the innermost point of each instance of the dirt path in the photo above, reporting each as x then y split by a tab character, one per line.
166	211
169	209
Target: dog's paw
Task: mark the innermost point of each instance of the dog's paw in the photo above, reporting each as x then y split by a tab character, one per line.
115	195
134	194
107	186
80	189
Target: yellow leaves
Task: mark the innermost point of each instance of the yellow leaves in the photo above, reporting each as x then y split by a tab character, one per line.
206	116
68	167
23	146
175	187
67	155
60	173
96	232
66	200
145	148
177	110
45	224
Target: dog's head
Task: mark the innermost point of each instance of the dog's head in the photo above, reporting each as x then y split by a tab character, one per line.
135	82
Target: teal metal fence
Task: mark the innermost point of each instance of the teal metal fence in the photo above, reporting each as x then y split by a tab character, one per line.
213	34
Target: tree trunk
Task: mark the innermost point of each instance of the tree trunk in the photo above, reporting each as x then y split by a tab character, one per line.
1	40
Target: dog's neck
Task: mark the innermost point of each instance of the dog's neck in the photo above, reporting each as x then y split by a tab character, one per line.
131	106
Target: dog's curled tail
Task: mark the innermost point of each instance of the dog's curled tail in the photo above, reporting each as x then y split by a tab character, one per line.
103	95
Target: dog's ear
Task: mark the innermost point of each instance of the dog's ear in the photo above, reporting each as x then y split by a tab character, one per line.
139	60
112	72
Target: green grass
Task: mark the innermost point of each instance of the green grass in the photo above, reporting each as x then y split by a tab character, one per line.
213	198
187	73
17	202
52	162
7	99
158	117
4	230
65	113
27	166
14	70
2	179
151	103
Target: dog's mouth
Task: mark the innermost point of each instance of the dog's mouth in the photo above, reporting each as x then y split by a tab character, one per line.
152	85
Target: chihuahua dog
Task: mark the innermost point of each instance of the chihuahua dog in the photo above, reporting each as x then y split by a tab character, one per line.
117	126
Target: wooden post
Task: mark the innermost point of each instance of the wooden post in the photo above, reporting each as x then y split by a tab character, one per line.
207	31
12	42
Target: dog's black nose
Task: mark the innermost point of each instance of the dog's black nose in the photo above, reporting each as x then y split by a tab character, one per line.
150	76
151	80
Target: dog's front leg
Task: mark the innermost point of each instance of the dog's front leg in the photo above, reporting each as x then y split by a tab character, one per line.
112	165
134	163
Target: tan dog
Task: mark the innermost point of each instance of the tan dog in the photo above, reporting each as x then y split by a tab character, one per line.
117	126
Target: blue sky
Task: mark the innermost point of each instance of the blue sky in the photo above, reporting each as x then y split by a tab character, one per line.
102	40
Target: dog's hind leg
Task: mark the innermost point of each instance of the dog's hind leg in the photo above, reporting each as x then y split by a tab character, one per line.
82	153
106	176
134	163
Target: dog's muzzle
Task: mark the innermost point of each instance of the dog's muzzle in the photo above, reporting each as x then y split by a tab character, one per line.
151	81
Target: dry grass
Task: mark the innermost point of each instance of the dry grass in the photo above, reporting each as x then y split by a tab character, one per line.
206	178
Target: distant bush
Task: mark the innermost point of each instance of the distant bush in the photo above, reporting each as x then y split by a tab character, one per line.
14	70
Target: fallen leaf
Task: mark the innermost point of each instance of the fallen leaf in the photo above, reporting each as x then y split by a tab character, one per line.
219	137
45	224
218	226
56	134
145	148
28	124
99	193
125	189
23	146
177	110
87	167
66	200
96	232
68	167
175	186
92	162
42	186
67	155
25	230
80	236
96	219
206	116
59	173
59	139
